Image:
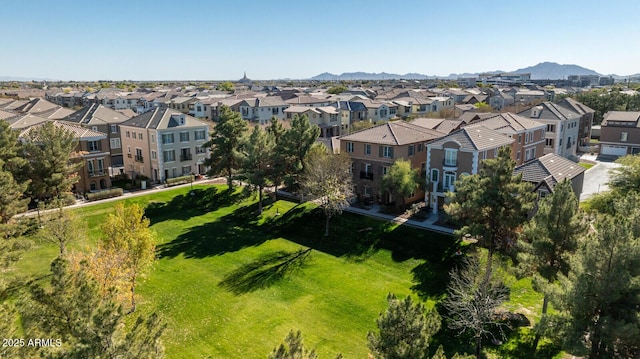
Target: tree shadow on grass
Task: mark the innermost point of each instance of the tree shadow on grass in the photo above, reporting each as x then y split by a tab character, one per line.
264	271
185	206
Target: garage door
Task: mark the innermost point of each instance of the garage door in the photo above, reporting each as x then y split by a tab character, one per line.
612	150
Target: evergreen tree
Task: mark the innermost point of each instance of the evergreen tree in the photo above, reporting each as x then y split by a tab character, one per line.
601	293
295	144
275	130
550	239
11	152
401	180
50	149
293	348
12	200
258	161
492	204
404	330
226	138
88	326
328	180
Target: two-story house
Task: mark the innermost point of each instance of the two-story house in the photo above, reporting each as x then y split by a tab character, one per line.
92	149
528	134
164	143
620	133
374	150
459	153
103	119
261	109
563	127
586	118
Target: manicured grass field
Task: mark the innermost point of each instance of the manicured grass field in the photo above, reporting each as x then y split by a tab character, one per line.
223	284
586	165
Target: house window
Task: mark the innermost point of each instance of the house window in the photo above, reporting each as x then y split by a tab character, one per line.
367	149
93	146
551	128
101	166
411	150
199	135
349	146
169	156
134	135
385	169
184	136
420	146
139	155
140	135
352	168
386	151
435	175
450	157
448	180
94	128
368	192
153	139
367	168
548	142
114	128
186	170
154	155
167	138
114	143
624	136
200	149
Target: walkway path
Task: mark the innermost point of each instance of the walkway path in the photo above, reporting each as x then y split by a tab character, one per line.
428	224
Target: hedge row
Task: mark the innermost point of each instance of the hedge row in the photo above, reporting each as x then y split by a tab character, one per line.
115	192
179	180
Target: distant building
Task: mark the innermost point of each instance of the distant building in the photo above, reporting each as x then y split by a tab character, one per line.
244	79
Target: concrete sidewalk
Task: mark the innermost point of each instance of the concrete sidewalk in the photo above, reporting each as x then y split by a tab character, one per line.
428	224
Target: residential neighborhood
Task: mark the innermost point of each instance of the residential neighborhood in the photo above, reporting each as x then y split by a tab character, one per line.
240	182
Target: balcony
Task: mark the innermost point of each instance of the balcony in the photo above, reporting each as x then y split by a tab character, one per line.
97	173
186	157
139	159
366	175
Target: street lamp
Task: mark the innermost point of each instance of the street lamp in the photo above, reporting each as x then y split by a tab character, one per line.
191	192
38	209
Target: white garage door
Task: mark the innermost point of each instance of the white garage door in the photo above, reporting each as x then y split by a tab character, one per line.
612	150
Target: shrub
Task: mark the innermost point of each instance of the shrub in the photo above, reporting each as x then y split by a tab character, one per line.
179	180
108	193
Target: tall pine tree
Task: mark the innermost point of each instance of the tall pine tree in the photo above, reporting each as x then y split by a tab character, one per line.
259	158
549	241
295	144
225	157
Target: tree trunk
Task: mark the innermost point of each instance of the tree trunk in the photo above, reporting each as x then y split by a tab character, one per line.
326	226
260	199
478	347
545	304
275	192
133	294
488	269
229	178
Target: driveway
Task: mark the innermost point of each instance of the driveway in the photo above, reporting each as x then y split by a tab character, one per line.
596	178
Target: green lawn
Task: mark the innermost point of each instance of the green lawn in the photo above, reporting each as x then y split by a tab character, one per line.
586	165
219	285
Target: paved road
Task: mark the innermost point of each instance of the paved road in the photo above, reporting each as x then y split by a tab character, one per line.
596	179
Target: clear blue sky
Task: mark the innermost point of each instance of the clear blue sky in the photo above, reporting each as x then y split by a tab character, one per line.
274	39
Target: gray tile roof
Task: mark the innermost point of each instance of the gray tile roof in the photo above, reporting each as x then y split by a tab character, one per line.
96	114
160	118
395	133
551	111
550	168
509	123
478	138
621	116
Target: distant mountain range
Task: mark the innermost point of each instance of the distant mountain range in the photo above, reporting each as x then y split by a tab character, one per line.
541	71
23	79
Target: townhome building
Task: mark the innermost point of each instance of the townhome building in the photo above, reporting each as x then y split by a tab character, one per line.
563	128
374	150
457	154
620	133
103	119
261	109
528	134
182	103
92	150
379	111
586	118
164	143
330	119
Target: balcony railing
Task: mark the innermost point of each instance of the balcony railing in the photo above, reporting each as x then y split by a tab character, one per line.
186	157
139	159
97	173
450	163
366	175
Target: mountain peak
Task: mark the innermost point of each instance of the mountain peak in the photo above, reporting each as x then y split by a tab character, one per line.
554	71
